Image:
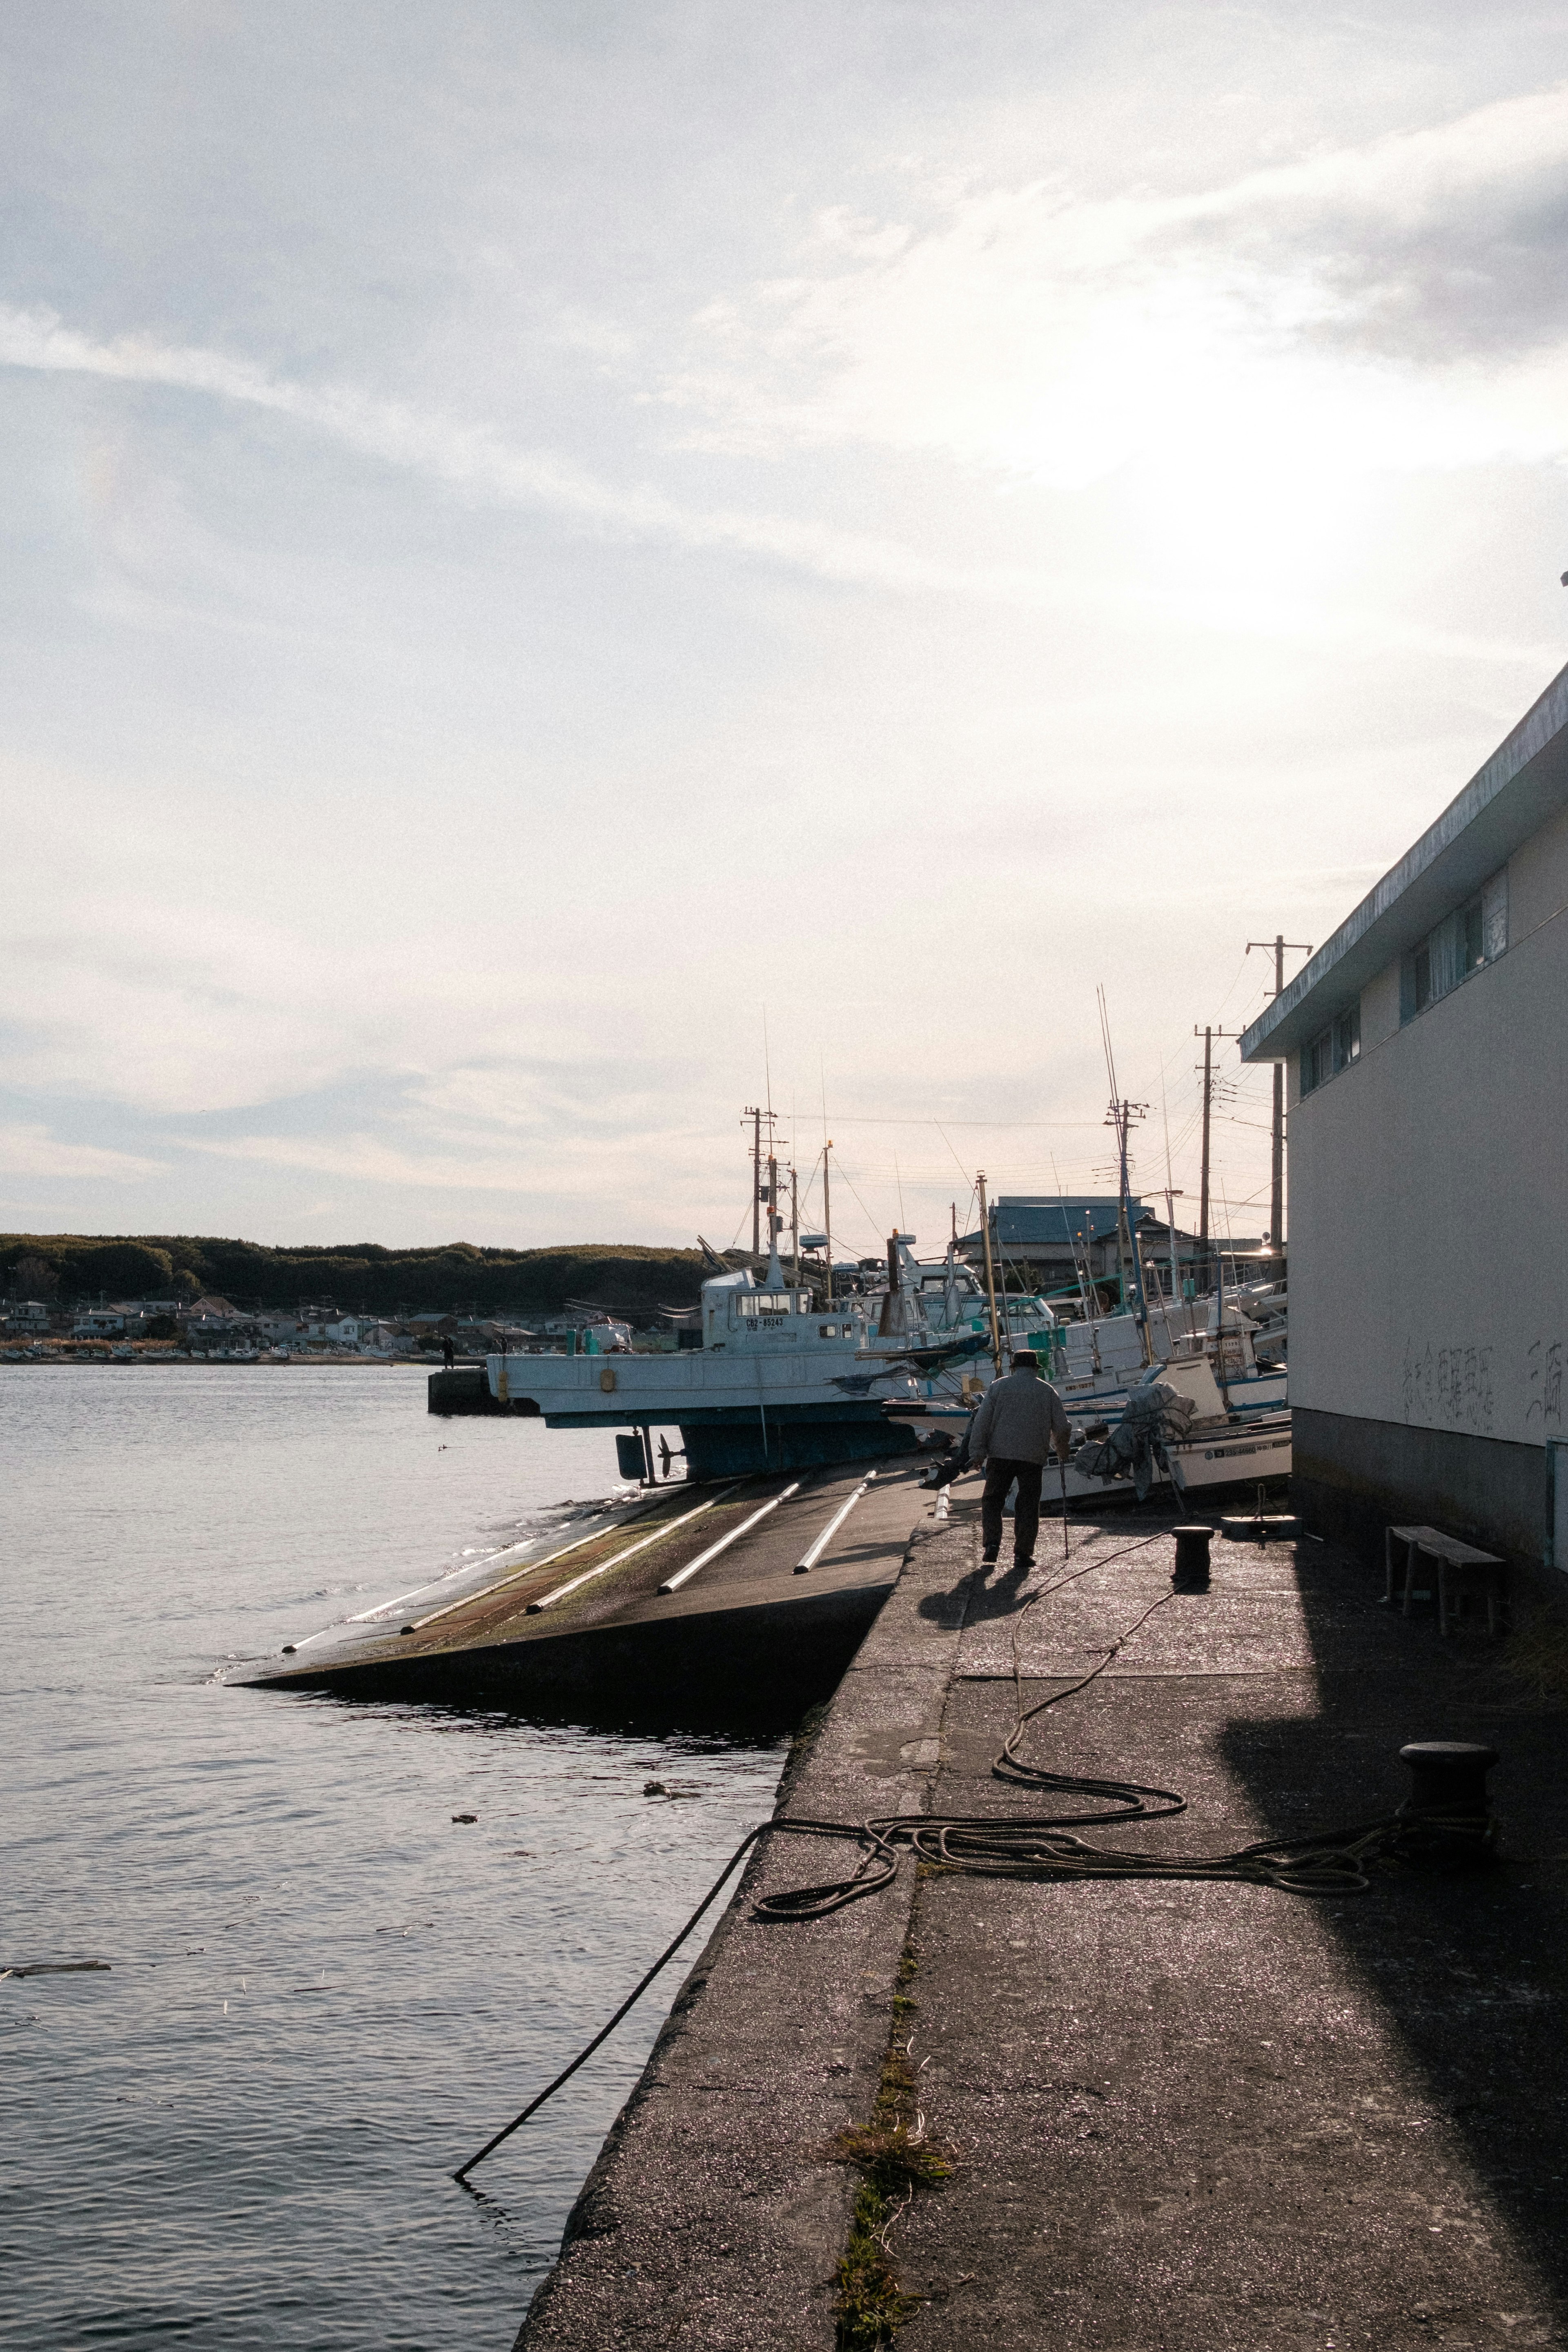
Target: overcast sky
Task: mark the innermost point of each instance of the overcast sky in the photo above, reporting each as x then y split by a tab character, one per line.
536	535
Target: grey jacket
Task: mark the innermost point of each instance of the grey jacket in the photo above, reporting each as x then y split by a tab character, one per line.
1017	1419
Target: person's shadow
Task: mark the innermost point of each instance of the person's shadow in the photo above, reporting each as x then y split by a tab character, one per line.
977	1597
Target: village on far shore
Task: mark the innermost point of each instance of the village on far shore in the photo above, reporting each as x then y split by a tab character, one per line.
1072	1250
211	1330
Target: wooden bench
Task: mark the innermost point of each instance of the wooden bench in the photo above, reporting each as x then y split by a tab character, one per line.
1458	1566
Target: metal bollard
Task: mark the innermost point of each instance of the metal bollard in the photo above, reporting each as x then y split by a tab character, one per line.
1445	1821
1190	1572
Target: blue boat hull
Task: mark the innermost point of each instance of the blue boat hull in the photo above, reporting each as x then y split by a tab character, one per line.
739	1451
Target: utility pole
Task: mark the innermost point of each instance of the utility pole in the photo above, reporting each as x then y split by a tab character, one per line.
1208	1036
1121	1116
990	1273
1276	1154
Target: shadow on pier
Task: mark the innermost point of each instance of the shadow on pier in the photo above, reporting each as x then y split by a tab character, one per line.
1470	1970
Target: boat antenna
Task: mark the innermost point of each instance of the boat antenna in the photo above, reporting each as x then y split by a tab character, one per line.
826	1188
754	1112
793	1184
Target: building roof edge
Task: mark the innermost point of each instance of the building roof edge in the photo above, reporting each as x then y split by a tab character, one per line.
1504	803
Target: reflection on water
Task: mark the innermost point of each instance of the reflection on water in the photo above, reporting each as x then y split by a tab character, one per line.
325	1993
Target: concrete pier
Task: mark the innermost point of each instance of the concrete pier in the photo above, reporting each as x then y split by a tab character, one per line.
1181	2115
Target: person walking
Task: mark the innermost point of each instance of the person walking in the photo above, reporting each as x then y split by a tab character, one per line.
1011	1438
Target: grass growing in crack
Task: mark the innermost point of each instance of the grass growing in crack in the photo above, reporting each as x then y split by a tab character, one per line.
895	2156
870	2302
893	2160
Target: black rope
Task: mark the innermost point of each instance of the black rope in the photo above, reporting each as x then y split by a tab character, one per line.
631	2002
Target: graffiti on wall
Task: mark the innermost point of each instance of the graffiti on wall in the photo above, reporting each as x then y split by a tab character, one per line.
1448	1384
1456	1388
1544	1363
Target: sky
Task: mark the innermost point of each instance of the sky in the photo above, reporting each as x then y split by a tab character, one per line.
566	566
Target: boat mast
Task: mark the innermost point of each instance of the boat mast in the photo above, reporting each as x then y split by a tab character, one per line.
795	1218
754	1112
827	1215
775	1220
990	1272
1121	1115
1173	1195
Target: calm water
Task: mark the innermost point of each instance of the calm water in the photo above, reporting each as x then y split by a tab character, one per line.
323	1992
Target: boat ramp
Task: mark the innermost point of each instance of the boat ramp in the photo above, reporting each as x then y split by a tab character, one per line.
591	1630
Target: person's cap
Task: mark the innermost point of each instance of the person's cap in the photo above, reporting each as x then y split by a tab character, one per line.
1026	1361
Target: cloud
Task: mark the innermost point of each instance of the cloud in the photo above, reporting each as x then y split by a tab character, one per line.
1396	305
584	1164
34	1151
1426	246
467	458
366	1159
1049	340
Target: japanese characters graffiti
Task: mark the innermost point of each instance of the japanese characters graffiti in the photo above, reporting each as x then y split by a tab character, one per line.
1544	1363
1448	1384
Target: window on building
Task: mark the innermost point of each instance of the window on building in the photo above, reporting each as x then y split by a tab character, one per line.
1332	1049
1347	1037
1473	935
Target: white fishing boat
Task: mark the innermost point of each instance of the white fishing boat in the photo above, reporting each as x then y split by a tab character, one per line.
770	1378
783	1374
772	1382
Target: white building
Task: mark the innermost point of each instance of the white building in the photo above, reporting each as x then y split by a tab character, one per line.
353	1332
1427	1054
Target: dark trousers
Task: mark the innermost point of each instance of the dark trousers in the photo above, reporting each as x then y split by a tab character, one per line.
999	1477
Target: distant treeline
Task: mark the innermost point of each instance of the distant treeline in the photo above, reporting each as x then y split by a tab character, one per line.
352	1276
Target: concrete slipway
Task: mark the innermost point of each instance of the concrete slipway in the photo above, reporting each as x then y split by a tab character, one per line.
746	1642
1186	2115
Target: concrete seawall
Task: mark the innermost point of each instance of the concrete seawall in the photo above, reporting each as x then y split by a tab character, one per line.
1183	2115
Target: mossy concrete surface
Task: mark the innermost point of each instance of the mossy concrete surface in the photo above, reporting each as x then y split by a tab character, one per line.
1184	2116
715	2215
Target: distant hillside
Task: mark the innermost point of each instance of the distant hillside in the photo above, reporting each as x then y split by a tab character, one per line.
352	1275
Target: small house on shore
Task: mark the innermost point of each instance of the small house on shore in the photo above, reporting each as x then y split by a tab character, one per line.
1427	1055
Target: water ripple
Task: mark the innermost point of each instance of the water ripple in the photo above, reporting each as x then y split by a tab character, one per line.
323	1991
